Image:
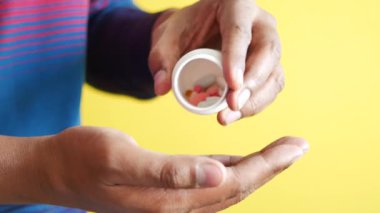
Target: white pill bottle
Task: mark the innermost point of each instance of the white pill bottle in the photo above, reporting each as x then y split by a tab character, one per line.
196	66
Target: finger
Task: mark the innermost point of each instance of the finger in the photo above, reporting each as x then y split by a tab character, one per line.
244	178
180	34
162	59
263	56
162	56
258	100
273	157
226	160
236	19
265	51
266	95
295	142
269	162
149	169
238	98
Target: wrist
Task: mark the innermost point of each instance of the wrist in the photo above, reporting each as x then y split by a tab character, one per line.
22	177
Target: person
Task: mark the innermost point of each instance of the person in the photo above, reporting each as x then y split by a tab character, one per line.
49	48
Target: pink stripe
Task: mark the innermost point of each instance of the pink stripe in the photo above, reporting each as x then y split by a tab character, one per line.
33	60
41	18
94	3
41	50
97	3
21	4
36	60
41	10
105	3
38	27
36	43
40	35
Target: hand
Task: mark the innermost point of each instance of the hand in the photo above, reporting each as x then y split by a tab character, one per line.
105	170
250	47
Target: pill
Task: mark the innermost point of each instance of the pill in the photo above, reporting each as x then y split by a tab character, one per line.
202	96
197	98
197	88
188	93
213	90
206	91
193	98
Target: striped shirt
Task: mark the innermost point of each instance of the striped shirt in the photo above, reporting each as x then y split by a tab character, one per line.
47	51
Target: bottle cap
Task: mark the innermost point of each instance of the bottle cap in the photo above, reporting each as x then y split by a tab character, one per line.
200	67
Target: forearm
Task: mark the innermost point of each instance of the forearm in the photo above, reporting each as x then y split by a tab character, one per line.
118	47
22	178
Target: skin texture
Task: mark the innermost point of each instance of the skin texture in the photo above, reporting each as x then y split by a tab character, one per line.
250	45
104	170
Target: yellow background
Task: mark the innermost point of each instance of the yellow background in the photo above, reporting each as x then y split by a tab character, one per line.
331	56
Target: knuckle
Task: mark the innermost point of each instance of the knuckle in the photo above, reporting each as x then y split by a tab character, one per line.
240	190
276	49
270	168
104	149
280	81
273	48
252	108
237	178
242	31
170	176
269	17
109	135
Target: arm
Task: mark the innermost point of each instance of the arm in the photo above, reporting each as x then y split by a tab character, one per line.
119	39
104	170
21	174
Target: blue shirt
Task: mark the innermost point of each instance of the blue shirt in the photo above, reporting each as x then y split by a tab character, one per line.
47	51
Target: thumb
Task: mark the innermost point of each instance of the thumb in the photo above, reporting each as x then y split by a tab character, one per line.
158	170
162	59
188	171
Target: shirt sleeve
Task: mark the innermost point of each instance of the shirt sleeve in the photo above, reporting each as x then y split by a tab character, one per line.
119	39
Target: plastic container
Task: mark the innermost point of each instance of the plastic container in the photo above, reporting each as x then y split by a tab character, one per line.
194	67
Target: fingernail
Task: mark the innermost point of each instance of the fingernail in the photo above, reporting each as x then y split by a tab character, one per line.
305	147
208	175
297	156
243	98
232	116
283	157
159	79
